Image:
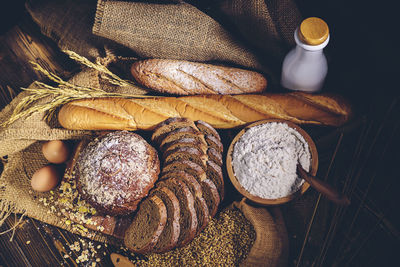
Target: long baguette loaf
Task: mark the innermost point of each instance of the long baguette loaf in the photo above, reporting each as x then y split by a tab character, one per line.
192	78
220	111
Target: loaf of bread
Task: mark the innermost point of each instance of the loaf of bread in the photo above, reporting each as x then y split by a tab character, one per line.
192	78
177	208
115	171
72	206
186	166
220	111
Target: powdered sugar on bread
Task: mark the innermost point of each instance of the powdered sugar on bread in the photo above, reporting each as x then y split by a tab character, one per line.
265	157
116	171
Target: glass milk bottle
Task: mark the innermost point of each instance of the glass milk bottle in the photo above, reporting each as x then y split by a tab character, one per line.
305	67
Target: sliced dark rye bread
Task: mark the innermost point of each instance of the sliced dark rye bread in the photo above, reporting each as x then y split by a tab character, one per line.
215	156
169	236
207	129
186	129
185	142
168	126
211	196
188	216
212	141
188	166
214	173
178	135
186	153
200	204
147	225
210	191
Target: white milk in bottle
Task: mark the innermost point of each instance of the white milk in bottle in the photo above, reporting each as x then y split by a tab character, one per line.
305	67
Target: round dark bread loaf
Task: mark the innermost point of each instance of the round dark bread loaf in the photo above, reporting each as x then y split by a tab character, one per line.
169	236
188	216
115	171
200	205
147	225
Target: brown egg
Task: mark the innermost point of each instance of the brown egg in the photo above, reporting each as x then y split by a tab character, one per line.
55	151
45	179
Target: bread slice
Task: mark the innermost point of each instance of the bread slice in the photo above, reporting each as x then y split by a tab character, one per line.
210	195
122	223
215	156
186	129
168	126
200	205
212	141
214	173
186	153
169	236
184	142
147	225
207	129
188	216
188	166
178	135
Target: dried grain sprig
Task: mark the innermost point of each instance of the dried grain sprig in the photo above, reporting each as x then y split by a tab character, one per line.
64	93
111	77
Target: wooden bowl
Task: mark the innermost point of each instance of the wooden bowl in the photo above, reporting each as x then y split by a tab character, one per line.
276	201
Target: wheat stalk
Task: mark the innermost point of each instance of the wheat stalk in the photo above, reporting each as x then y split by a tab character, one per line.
111	77
64	93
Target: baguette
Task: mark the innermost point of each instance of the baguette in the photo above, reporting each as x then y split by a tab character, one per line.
192	78
220	111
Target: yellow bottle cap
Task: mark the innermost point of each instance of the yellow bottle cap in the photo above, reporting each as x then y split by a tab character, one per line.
313	31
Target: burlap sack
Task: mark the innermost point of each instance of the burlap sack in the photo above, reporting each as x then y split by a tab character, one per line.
269	225
261	32
249	33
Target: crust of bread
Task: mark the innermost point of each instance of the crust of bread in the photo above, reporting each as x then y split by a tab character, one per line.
220	111
190	78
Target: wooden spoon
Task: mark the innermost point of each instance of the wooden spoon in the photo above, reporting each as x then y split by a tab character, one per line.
322	187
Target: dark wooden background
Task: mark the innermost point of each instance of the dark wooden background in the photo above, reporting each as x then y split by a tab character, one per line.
363	62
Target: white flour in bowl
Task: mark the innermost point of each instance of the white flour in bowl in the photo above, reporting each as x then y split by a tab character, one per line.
264	160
